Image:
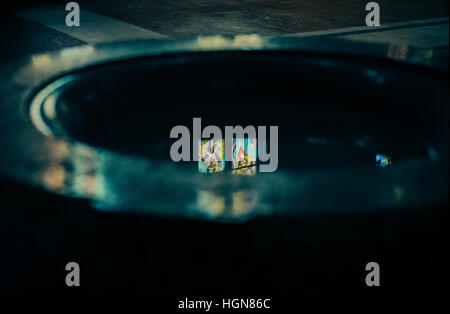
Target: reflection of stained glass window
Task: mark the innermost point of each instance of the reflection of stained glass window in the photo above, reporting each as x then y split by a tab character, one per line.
211	156
244	156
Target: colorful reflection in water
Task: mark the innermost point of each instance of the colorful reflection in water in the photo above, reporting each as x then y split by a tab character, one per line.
244	156
211	156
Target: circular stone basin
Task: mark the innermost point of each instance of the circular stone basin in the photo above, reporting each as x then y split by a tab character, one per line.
334	115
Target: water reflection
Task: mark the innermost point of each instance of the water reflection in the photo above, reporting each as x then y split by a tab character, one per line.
382	160
86	173
211	156
405	53
399	52
77	170
54	178
210	203
251	41
115	182
240	204
244	156
243	202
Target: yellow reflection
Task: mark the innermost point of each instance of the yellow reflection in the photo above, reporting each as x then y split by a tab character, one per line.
428	55
54	177
41	61
398	52
399	193
90	185
73	55
252	41
247	41
211	203
49	106
210	42
236	204
59	151
243	202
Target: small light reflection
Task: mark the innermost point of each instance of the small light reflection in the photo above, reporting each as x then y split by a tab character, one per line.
316	140
54	178
382	160
209	42
434	155
41	61
403	52
59	152
397	52
247	41
428	55
238	204
72	54
49	106
90	185
211	203
243	202
399	193
251	41
375	75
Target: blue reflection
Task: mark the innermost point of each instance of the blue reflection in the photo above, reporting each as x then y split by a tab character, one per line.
383	161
